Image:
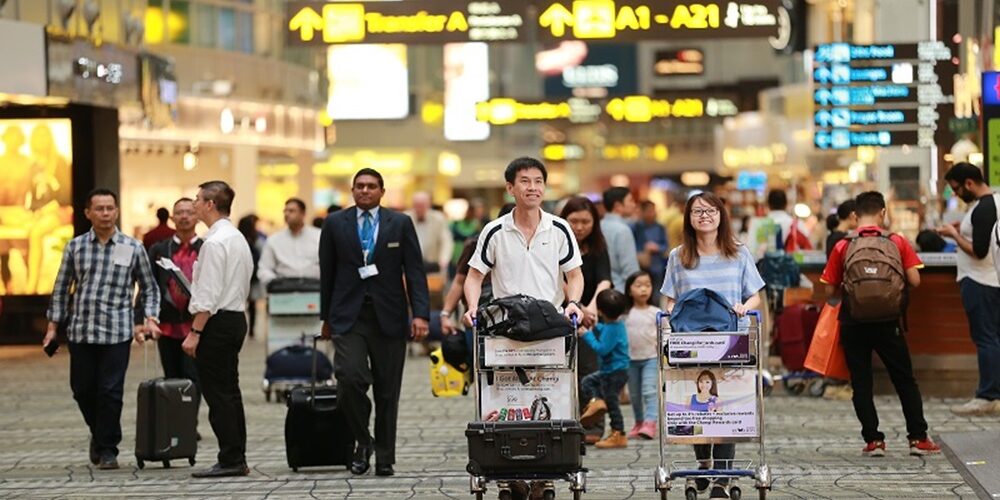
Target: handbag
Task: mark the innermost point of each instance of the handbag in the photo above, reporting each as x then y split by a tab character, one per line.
825	355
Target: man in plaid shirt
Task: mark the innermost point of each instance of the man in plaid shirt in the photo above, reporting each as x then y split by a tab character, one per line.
98	273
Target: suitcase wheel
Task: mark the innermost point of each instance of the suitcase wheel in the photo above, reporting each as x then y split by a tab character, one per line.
295	469
267	396
166	464
141	464
191	461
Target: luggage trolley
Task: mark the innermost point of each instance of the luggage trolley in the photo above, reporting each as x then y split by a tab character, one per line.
293	316
545	443
735	363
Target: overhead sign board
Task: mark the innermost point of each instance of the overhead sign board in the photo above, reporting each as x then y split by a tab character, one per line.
410	22
881	95
608	69
637	20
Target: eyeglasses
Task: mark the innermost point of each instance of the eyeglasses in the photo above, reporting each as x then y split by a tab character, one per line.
699	212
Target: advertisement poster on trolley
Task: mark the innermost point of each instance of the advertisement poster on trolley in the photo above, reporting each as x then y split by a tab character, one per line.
708	403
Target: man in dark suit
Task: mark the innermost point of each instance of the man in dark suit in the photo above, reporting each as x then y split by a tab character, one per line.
365	253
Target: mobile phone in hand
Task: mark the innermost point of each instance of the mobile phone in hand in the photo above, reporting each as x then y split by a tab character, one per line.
51	348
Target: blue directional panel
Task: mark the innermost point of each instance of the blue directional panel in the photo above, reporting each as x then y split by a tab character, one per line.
880	95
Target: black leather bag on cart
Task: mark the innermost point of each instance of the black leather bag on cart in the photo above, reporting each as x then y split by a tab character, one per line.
525	447
523	318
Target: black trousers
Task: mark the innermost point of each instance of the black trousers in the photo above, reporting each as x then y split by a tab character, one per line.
365	357
715	456
97	377
177	364
218	362
885	339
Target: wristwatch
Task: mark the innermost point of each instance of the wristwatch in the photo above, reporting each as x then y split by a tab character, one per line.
446	314
196	331
576	303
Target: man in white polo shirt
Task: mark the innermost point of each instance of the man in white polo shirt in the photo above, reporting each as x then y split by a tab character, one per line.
527	250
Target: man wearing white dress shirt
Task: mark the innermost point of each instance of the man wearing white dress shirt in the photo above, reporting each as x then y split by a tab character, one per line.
292	252
218	300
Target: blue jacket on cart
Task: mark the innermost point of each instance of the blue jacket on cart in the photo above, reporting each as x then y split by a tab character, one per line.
611	347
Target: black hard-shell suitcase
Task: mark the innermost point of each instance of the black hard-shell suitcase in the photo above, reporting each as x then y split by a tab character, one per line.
316	432
166	422
525	447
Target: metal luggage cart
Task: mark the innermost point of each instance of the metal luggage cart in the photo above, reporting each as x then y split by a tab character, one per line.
293	316
737	357
484	375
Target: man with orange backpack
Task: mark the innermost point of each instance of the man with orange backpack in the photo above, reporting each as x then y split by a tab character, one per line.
871	269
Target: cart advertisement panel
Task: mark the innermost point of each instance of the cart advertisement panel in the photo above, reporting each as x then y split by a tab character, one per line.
711	403
501	351
708	348
546	396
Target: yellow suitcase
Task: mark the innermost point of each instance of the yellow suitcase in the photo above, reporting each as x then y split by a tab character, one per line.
446	380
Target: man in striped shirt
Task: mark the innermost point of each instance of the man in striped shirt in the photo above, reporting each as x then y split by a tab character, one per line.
99	271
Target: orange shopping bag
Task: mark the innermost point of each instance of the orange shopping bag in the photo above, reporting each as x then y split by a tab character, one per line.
825	355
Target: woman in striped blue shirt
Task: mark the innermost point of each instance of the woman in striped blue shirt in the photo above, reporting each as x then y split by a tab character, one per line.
711	257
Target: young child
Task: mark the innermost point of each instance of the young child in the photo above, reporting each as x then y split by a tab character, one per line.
602	387
640	323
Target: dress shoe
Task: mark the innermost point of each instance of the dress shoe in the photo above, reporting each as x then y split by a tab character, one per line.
95	457
108	462
384	470
362	460
219	470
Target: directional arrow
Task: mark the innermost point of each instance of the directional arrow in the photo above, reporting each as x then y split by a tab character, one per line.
556	18
823	96
822	140
308	21
823	118
822	74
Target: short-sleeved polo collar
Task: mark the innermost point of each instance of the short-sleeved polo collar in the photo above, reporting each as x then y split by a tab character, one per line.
544	225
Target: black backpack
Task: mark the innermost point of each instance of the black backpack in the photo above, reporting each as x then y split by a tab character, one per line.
523	318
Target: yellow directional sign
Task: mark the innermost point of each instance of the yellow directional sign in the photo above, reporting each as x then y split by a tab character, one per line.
306	21
636	20
411	22
630	109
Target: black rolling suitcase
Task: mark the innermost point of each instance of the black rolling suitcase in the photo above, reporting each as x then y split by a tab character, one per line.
166	424
525	447
316	432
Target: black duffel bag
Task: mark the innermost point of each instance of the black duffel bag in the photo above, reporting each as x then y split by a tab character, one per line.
523	318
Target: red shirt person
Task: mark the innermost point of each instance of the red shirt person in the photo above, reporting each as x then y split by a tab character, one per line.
860	338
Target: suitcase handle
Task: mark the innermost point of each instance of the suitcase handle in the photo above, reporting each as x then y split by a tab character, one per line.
312	383
540	452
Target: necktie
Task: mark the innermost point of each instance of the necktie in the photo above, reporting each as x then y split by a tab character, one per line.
367	237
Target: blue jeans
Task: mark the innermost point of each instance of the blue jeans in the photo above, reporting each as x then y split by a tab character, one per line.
607	386
982	306
642	381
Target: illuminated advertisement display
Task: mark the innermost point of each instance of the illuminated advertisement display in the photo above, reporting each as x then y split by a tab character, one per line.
991	126
36	205
683	62
634	20
608	69
466	82
368	82
881	95
411	22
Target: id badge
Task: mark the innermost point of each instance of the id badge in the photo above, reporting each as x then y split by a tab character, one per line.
122	255
368	271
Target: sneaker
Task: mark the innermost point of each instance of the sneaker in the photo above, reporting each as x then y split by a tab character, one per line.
920	447
616	439
874	449
594	412
648	430
974	407
634	433
108	462
718	492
